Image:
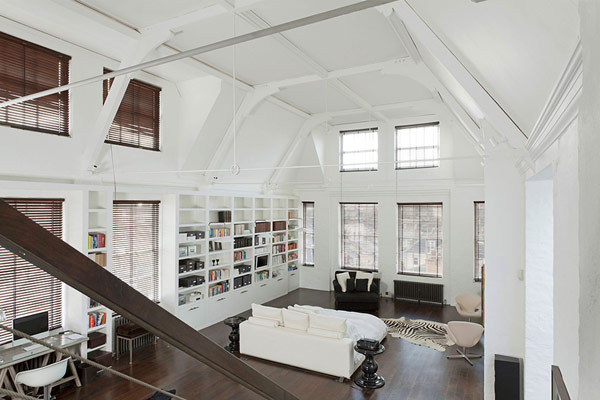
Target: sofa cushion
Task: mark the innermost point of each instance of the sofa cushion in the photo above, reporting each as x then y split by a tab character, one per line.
357	297
327	323
263	322
365	275
342	280
350	285
295	320
326	333
298	307
362	285
267	313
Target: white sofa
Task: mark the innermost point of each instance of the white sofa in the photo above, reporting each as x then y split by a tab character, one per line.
331	356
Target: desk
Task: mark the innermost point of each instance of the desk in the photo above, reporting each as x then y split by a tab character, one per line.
12	356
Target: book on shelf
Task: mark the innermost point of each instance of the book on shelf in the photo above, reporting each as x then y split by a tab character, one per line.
262	275
292	256
240	242
240	255
240	229
97	318
279	225
94	303
96	240
218	274
224	216
218	288
219	230
279	237
278	248
279	259
262	227
99	258
292	246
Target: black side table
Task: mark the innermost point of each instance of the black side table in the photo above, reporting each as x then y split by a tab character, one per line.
234	336
369	378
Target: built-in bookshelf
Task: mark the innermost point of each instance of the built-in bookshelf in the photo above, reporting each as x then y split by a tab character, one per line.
235	249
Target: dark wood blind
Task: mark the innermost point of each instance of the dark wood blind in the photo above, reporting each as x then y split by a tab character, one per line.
26	68
137	122
308	211
359	243
135	245
24	288
420	239
479	239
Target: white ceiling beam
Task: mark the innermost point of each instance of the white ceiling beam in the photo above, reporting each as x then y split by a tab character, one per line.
358	100
493	112
310	124
97	134
401	32
186	19
249	103
424	104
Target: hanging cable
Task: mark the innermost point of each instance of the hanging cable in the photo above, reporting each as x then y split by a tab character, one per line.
235	168
86	361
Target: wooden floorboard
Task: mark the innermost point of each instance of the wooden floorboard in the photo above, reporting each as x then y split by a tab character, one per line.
411	372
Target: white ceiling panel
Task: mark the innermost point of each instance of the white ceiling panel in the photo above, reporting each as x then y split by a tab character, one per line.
379	89
315	98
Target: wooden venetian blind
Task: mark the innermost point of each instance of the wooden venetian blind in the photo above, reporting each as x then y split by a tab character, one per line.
26	68
24	288
137	122
359	242
135	245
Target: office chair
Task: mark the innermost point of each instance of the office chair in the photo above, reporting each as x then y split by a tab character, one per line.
44	376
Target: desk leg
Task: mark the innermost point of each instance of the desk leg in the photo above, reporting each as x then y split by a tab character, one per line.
74	372
4	381
44	363
13	375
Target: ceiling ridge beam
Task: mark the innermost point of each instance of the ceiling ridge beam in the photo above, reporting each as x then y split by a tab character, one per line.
384	107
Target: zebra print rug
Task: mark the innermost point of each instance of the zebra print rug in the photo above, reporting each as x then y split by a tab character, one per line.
420	332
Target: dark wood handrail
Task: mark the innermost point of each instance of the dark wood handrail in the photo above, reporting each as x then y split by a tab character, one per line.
559	389
35	244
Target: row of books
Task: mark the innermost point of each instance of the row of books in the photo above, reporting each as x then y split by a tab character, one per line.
96	319
262	276
262	227
96	240
241	242
280	259
219	232
291	214
292	256
278	248
217	274
292	246
94	303
240	255
239	229
280	237
279	225
224	216
219	288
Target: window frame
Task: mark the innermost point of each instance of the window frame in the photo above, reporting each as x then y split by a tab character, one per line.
305	232
399	238
63	60
106	84
56	311
342	168
375	237
155	284
477	276
397	162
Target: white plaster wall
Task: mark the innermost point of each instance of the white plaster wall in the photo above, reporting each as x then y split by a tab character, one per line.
505	260
539	317
589	199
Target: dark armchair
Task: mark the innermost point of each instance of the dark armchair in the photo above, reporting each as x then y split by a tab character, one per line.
353	300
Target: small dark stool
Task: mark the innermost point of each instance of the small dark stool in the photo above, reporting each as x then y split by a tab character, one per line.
128	333
369	378
234	336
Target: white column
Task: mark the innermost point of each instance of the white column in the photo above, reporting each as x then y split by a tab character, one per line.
504	264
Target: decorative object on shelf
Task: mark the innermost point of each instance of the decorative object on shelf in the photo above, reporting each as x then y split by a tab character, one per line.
99	258
369	378
183	252
234	336
420	332
192	250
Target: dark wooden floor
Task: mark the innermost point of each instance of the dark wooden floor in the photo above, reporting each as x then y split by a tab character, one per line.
411	372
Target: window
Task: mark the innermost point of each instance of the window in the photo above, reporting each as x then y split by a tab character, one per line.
358	150
308	208
479	238
420	239
137	121
418	146
135	245
26	68
359	236
24	288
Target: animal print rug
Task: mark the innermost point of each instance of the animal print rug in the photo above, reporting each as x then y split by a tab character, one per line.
420	332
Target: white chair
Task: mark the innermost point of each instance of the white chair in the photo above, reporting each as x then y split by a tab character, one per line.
44	376
468	305
465	335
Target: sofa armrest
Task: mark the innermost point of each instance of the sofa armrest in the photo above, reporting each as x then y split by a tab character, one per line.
336	286
375	285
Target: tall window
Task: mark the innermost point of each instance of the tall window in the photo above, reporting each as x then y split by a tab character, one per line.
135	245
359	236
308	211
479	238
418	146
26	68
137	122
24	288
420	239
358	150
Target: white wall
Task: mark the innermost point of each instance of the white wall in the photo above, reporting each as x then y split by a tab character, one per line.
539	316
589	198
505	261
